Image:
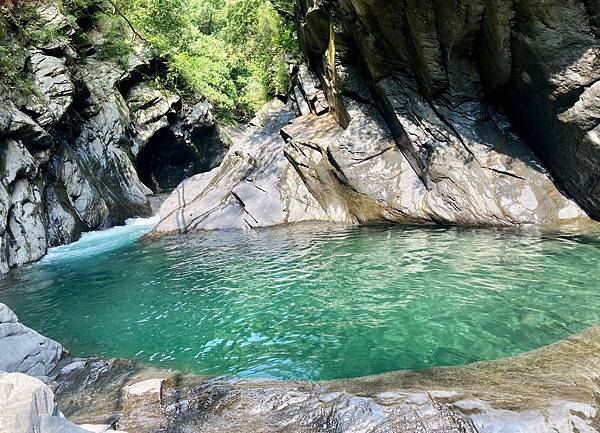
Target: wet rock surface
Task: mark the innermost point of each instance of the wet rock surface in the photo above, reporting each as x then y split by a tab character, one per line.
552	389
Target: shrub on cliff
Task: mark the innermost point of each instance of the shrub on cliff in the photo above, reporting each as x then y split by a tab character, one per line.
231	51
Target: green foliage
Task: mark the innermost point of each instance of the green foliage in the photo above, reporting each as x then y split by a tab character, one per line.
19	27
231	51
207	67
114	46
111	39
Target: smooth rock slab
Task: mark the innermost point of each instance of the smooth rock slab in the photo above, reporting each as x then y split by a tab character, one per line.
23	350
255	186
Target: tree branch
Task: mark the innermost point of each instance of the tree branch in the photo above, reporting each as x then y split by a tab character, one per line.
122	15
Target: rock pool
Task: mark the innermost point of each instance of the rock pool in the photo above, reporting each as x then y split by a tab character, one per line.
311	301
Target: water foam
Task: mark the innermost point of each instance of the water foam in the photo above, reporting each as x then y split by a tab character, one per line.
102	241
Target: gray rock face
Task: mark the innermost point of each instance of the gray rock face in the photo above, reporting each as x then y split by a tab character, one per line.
28	407
93	183
22	229
555	91
419	91
53	81
254	186
496	184
441	75
320	171
22	350
96	169
172	140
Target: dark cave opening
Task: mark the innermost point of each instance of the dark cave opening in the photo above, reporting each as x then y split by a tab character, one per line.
165	161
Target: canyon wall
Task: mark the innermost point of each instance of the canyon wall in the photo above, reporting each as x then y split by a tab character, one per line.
456	80
90	138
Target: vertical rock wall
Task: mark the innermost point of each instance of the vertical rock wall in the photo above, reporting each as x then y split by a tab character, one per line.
452	76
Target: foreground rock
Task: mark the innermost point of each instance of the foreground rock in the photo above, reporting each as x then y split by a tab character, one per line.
28	407
551	390
23	350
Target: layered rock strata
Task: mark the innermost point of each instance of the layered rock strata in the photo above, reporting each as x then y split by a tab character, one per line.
443	73
420	112
313	169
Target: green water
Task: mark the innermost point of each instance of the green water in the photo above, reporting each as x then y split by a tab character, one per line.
311	302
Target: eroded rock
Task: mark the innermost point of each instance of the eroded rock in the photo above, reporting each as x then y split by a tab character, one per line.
254	186
68	148
360	175
550	390
442	74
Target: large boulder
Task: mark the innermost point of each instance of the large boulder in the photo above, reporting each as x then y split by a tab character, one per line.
22	350
26	401
254	186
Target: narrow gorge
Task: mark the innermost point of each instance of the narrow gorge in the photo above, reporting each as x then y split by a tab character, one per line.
299	216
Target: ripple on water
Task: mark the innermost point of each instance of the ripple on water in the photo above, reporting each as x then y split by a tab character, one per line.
311	301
